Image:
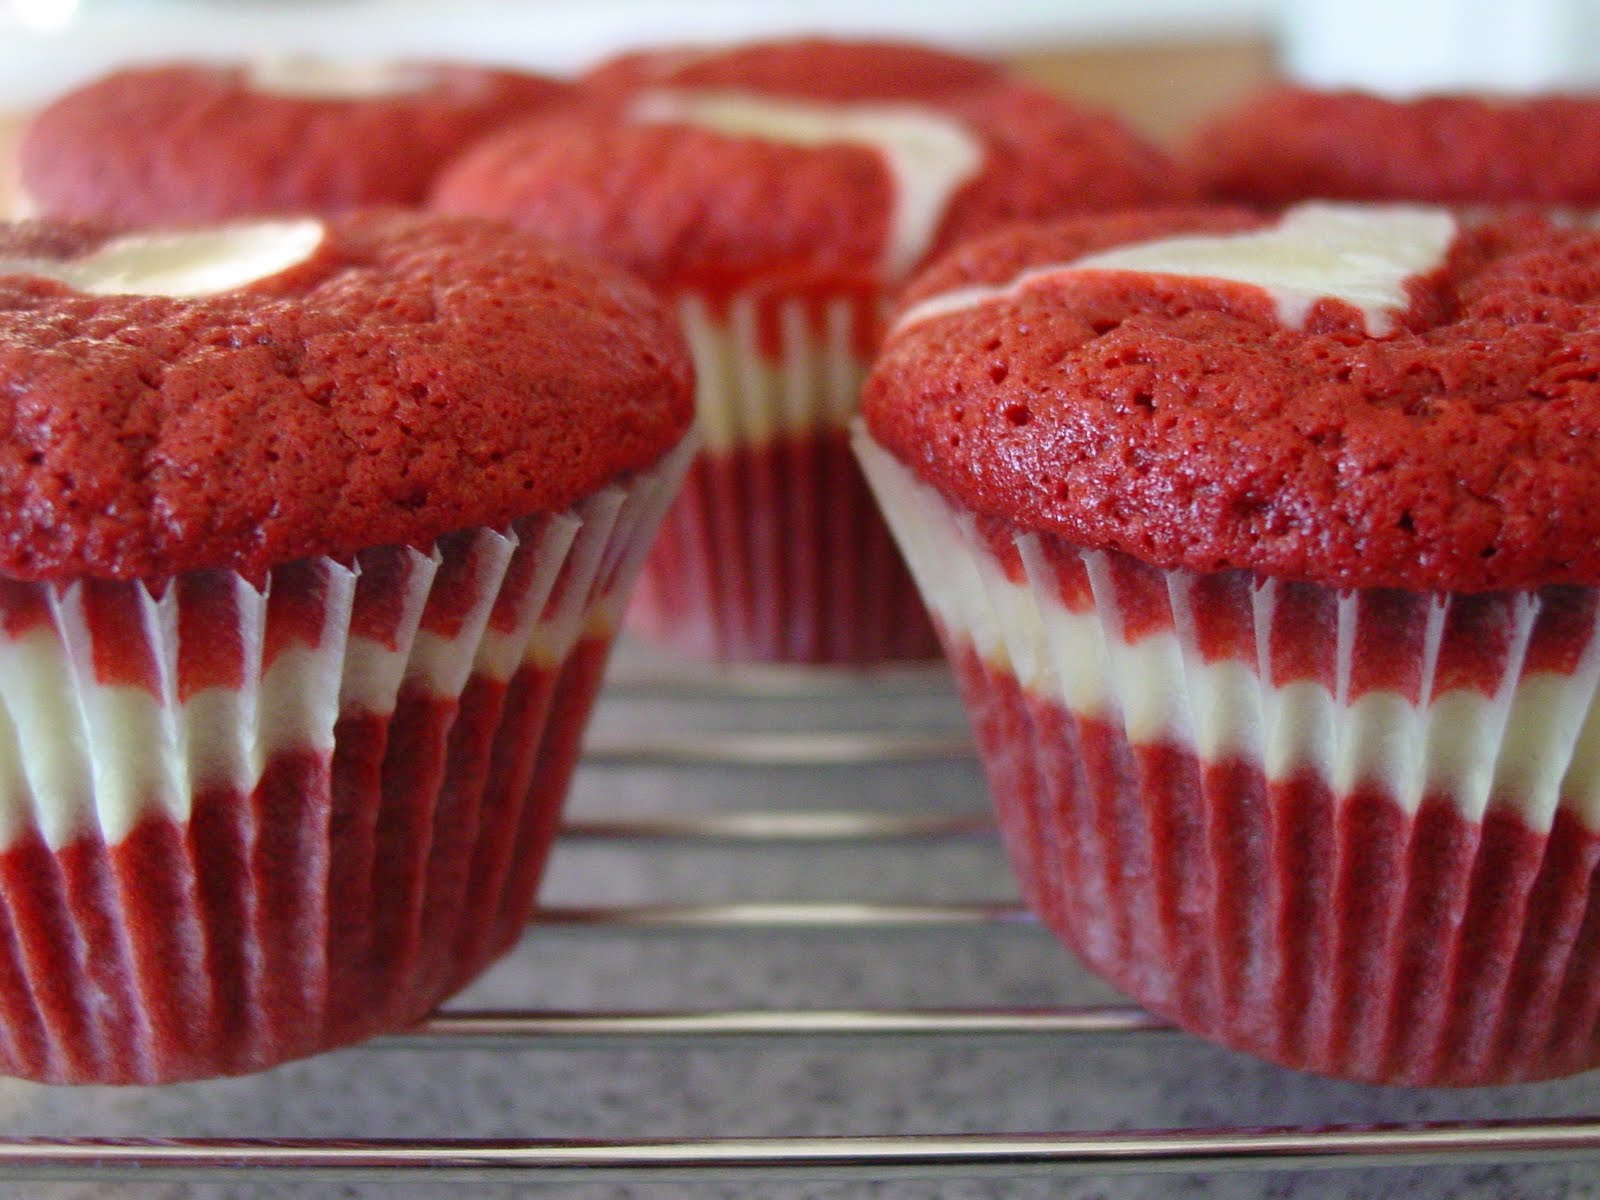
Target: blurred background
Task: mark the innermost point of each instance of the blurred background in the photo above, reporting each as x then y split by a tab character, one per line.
1162	64
1153	50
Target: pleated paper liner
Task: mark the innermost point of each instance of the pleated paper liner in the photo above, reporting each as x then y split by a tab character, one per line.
245	824
1353	832
775	551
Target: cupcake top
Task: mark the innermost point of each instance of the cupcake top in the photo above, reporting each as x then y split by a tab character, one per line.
1289	144
1354	396
798	163
247	395
192	143
803	68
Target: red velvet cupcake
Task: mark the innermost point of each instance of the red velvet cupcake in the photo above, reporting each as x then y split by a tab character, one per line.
1266	553
779	192
1289	143
314	537
192	143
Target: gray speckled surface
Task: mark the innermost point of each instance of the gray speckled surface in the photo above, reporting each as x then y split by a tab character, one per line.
932	1087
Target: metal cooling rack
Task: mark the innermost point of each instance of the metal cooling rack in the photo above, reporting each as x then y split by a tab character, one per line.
452	1161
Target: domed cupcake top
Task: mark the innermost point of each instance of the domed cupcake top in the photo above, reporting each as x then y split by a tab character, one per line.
807	162
820	69
158	144
1356	397
281	390
1289	144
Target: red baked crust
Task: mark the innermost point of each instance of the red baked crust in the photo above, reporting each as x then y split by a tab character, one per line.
417	375
1289	144
192	143
806	68
693	209
1182	423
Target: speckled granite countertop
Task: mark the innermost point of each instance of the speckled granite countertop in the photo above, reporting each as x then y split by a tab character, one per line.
936	1086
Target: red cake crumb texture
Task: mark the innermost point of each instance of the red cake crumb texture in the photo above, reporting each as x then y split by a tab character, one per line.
192	143
691	208
1289	144
1182	422
804	68
416	375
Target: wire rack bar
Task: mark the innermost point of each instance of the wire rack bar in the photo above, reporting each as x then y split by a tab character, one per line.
437	1162
810	1159
628	680
777	749
526	1030
797	917
781	828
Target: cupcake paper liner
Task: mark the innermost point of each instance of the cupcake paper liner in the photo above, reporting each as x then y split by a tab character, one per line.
1350	831
246	823
775	550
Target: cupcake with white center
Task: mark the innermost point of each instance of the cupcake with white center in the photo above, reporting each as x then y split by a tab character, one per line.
309	566
780	193
177	143
1266	555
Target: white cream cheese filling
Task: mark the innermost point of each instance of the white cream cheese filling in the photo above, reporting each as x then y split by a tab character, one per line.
929	155
182	265
1533	741
309	77
1362	255
23	206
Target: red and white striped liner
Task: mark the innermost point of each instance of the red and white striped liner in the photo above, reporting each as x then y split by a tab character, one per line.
775	550
1354	832
243	824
